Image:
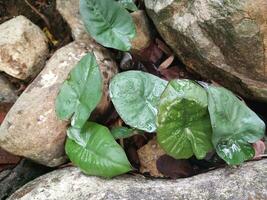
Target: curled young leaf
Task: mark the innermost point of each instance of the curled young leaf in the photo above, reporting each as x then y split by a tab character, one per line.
135	95
81	92
95	152
235	127
183	122
108	23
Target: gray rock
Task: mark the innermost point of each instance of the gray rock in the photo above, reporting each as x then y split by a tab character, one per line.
31	128
69	9
23	48
7	91
245	182
221	40
144	35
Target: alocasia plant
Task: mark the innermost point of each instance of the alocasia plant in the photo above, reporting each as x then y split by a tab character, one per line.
183	122
135	95
234	126
95	151
108	23
81	92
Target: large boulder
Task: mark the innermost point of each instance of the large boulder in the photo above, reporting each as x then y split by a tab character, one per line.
31	128
222	40
245	182
23	48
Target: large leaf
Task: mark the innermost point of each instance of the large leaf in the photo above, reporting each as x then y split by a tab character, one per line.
81	92
128	4
95	152
184	127
234	126
135	95
108	23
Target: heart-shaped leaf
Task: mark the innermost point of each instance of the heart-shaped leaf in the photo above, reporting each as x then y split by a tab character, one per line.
128	4
234	126
95	152
135	95
184	127
108	23
81	92
122	132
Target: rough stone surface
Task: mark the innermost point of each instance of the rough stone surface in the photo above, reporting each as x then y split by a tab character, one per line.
69	9
13	179
23	48
222	40
7	91
143	31
245	182
31	128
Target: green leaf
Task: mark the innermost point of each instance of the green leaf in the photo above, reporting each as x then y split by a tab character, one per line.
234	126
95	152
81	92
183	122
123	132
128	4
135	95
108	23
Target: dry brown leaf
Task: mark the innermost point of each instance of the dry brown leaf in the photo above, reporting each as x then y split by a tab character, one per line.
166	63
148	156
163	47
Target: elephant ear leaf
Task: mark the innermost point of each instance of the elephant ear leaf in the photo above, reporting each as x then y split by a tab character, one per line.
94	150
81	92
136	95
183	124
235	126
108	23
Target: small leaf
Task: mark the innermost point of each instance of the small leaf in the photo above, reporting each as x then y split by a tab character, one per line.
108	23
95	152
122	132
135	95
234	126
81	93
183	120
128	4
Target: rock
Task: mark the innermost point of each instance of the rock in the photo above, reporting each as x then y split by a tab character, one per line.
13	179
7	91
23	48
148	156
222	40
31	128
245	182
143	31
69	9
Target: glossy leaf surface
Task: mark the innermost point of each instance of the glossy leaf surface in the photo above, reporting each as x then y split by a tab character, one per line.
184	127
108	23
95	152
81	92
235	126
136	95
